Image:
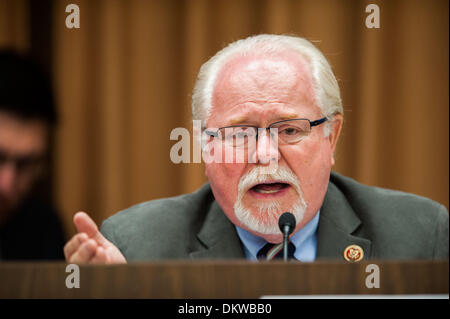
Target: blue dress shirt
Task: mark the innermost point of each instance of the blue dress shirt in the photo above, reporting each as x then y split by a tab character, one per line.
305	241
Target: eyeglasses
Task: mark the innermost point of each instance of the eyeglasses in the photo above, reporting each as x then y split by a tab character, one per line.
289	132
24	164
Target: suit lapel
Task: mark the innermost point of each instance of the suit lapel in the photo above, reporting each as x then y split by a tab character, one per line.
337	225
337	230
218	237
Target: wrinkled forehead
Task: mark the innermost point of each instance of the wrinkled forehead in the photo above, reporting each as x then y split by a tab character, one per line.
265	77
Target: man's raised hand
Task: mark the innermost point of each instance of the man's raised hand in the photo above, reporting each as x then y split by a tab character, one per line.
89	245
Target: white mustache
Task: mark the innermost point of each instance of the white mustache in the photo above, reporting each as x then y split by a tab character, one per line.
258	175
266	220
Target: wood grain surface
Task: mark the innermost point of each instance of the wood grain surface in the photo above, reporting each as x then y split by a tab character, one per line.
221	279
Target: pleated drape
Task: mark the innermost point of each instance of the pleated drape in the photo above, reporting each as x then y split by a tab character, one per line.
14	25
124	79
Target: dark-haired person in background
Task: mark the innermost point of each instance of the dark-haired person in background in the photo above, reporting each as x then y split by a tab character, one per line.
29	226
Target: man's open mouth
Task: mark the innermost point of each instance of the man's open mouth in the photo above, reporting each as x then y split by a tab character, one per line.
269	187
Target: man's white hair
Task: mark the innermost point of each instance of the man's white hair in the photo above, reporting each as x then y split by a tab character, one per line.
326	88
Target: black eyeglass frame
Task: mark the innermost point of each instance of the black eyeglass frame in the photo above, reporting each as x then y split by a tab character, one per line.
311	124
23	164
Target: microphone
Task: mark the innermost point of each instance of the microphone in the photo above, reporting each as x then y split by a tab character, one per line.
287	223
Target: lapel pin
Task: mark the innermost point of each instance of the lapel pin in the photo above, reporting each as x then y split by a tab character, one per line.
353	253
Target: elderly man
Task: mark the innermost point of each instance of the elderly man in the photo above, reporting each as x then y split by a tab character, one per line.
251	86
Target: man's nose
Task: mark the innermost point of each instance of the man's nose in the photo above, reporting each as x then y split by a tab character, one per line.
267	147
8	179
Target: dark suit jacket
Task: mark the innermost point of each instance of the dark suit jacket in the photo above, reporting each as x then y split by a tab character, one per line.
33	232
386	224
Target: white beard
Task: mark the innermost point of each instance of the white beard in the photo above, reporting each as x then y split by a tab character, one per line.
266	220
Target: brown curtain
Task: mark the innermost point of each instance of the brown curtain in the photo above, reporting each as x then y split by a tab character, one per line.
14	25
124	79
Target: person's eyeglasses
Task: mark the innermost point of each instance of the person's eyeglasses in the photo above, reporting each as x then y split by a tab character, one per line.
289	132
23	164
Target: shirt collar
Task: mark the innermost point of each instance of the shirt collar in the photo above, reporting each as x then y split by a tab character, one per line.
302	239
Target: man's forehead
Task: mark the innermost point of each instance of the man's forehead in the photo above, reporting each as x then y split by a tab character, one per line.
285	70
258	78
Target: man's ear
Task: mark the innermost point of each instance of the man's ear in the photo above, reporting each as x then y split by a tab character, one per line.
335	131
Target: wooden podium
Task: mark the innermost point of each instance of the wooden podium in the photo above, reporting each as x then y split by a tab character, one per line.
222	279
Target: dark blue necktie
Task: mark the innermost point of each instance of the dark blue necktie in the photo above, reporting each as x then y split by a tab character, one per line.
275	251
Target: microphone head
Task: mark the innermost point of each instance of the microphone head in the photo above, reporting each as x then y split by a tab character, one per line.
287	219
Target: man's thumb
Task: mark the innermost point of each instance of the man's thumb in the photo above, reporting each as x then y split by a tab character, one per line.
85	224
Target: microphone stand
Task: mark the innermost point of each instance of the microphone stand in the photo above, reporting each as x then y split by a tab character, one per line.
285	242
